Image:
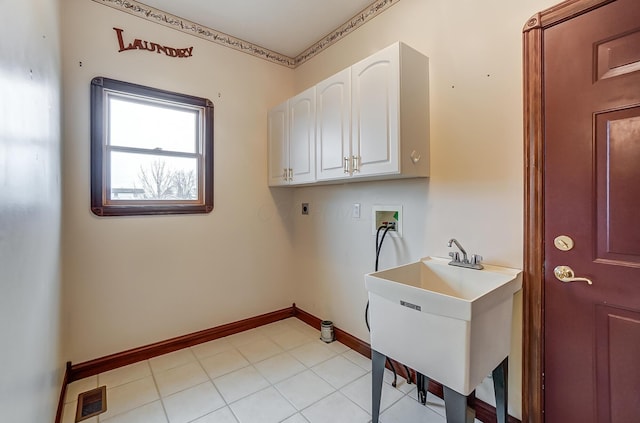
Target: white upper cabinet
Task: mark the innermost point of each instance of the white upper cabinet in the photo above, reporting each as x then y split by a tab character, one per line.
375	108
333	126
278	145
390	114
371	121
291	140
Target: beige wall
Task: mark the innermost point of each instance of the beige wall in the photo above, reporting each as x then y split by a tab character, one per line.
475	192
131	281
31	365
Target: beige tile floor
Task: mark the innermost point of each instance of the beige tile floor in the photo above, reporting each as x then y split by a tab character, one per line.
279	372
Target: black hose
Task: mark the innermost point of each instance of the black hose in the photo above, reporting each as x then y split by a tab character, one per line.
379	246
379	242
366	316
408	374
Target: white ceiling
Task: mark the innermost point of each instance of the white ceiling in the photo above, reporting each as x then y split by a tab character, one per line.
287	27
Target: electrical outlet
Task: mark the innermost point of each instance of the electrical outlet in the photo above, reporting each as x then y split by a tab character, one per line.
305	208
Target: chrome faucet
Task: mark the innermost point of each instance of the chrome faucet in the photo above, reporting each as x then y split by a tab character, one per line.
474	263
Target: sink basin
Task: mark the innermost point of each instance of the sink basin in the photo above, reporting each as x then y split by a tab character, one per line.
450	323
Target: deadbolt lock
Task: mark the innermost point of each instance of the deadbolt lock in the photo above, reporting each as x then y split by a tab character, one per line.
563	243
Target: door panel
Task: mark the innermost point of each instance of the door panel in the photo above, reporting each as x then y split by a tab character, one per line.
618	192
278	142
302	135
592	194
375	109
619	55
333	140
617	352
374	102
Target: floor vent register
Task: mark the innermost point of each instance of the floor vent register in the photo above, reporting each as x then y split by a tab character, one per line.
91	403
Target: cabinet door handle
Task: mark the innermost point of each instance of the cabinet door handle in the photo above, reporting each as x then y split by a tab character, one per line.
346	164
285	174
291	174
356	163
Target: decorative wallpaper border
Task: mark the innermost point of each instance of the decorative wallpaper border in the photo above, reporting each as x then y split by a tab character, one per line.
158	16
358	20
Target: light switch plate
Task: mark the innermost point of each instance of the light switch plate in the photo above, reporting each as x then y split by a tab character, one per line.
355	211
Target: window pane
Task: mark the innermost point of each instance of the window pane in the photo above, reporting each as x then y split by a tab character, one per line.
152	177
148	125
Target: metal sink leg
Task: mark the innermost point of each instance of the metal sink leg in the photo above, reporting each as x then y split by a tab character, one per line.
377	374
500	376
455	405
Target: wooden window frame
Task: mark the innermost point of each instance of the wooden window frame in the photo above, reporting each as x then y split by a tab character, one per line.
101	203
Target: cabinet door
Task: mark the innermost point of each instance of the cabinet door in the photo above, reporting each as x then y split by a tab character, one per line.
375	112
333	126
278	145
302	135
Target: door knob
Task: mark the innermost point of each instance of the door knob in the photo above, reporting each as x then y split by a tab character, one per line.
565	274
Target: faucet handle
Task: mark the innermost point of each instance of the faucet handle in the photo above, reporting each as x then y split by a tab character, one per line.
476	259
455	256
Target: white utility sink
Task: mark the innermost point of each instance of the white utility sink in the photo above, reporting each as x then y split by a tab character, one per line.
450	323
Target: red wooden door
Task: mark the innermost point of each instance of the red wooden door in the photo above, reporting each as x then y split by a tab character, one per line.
592	195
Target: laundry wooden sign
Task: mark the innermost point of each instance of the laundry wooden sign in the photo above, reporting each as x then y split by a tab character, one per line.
139	44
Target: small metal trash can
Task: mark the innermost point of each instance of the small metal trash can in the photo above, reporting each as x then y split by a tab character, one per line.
326	331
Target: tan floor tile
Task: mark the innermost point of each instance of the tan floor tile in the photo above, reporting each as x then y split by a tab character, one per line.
171	360
149	413
192	403
123	398
124	374
180	378
223	363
